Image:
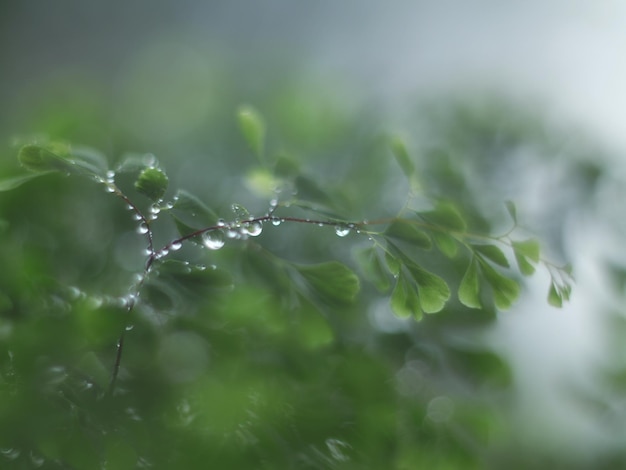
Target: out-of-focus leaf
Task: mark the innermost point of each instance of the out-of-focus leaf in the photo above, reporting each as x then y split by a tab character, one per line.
505	290
152	183
403	158
191	211
406	231
492	253
445	215
252	127
12	183
554	297
433	291
392	263
309	190
52	157
404	300
373	268
525	267
447	244
528	248
469	290
512	210
332	281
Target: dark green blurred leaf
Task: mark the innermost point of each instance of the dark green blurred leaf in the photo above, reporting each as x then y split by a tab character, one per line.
190	211
309	190
332	281
373	269
445	215
252	127
152	183
12	183
469	290
406	231
492	253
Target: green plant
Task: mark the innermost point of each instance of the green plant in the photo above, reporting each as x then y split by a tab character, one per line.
399	254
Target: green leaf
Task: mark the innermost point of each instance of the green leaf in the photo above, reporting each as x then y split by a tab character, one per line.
512	210
12	183
445	215
406	231
373	268
402	156
505	290
193	280
528	248
52	157
191	211
252	127
469	290
404	300
525	267
393	263
554	296
492	253
309	190
332	281
152	183
446	243
433	291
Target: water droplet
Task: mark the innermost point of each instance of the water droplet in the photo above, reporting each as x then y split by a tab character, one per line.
176	246
241	213
276	221
169	205
155	209
201	267
142	229
162	253
110	176
253	229
221	223
130	207
342	230
233	232
109	187
36	459
147	252
213	240
137	216
337	449
129	327
10	453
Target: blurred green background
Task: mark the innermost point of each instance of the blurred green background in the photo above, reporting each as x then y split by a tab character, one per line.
249	376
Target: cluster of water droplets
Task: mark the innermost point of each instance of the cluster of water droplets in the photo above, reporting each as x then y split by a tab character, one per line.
243	226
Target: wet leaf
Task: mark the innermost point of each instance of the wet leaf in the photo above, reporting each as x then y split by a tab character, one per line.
191	211
252	127
152	183
469	290
406	231
332	281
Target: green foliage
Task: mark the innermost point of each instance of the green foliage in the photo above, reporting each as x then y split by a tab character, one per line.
152	183
247	337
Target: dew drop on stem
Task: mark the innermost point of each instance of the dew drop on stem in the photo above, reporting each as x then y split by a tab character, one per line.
342	230
253	229
176	246
142	229
213	240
